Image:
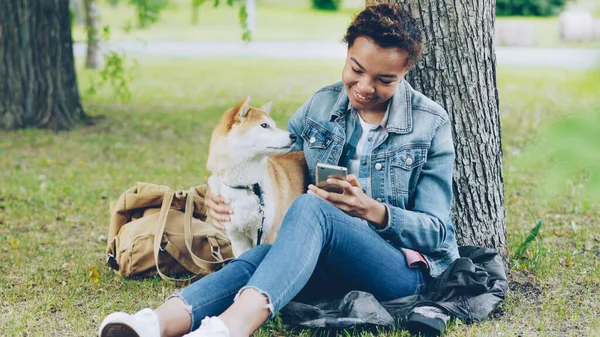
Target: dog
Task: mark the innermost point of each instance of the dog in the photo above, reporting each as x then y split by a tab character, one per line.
252	169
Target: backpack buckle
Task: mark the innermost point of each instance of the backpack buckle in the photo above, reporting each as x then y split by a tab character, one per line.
112	262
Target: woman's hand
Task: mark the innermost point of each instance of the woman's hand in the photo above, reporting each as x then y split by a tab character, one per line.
353	200
218	209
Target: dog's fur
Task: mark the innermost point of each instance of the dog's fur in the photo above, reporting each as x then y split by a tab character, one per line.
244	152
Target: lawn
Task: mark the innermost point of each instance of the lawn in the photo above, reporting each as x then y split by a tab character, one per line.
55	189
282	20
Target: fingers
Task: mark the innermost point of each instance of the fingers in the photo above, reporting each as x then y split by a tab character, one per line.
353	180
218	209
330	196
218	224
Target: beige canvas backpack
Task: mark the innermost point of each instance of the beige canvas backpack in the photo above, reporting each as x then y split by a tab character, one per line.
155	230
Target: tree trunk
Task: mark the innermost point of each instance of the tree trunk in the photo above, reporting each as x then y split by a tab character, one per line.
78	11
39	85
93	58
458	70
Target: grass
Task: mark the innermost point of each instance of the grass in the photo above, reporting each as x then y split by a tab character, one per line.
55	189
276	21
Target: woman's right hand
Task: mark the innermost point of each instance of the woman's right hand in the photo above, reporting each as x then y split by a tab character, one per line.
218	209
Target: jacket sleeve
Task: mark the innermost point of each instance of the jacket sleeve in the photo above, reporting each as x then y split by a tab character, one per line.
423	227
296	125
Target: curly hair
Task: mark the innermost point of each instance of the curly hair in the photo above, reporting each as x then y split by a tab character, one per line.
388	26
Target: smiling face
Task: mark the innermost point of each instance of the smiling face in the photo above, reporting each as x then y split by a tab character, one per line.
372	73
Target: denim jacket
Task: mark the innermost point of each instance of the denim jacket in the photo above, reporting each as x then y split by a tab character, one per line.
410	165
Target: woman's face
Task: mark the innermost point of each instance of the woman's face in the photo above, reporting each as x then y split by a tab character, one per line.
372	73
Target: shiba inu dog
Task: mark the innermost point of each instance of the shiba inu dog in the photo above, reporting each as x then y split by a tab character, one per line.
252	169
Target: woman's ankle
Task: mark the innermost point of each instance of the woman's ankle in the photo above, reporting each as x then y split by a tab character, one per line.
249	311
174	317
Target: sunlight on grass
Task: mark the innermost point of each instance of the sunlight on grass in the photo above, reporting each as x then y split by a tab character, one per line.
56	188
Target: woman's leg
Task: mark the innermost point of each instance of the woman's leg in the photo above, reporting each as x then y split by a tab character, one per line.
209	296
316	233
182	312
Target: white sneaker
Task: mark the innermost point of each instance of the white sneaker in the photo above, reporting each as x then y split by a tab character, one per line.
210	327
144	323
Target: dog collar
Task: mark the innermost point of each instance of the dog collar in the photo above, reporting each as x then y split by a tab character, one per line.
255	188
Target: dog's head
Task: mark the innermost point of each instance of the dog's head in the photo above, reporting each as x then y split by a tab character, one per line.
247	133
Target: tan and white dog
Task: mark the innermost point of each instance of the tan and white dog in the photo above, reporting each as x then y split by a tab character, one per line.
247	148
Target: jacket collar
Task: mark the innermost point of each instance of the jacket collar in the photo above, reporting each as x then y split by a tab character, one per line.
399	112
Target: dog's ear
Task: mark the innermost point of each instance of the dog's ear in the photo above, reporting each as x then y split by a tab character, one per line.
267	107
244	107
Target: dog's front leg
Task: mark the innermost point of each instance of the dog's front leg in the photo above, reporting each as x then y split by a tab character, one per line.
240	243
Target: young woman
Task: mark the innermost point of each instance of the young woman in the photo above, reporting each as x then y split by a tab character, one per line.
387	233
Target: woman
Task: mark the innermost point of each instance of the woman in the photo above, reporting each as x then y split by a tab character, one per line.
387	233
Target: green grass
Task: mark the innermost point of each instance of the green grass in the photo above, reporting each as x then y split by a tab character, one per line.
55	189
283	20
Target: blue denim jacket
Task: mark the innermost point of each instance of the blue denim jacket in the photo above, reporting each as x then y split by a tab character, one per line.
410	165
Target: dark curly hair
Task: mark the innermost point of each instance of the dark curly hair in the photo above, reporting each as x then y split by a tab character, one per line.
388	26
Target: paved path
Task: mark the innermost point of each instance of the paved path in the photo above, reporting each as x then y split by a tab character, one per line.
517	56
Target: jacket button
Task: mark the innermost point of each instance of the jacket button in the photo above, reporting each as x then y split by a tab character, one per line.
378	166
379	200
408	161
312	140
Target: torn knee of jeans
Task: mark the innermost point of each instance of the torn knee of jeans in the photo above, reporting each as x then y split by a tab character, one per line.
269	305
185	304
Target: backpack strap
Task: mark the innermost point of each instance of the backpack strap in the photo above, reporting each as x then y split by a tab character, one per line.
189	237
158	235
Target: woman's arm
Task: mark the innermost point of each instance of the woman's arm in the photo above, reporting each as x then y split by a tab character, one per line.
423	227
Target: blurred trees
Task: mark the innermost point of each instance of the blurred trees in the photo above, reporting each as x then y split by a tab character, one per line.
529	7
328	5
93	58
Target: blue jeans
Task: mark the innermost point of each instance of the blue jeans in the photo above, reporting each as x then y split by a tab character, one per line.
320	252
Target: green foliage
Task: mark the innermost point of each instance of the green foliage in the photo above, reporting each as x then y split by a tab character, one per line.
327	5
148	11
242	14
529	7
533	234
115	73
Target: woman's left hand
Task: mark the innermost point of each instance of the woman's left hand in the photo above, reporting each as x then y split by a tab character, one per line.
352	200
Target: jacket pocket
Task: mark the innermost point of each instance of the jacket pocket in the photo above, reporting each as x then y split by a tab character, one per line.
316	136
405	168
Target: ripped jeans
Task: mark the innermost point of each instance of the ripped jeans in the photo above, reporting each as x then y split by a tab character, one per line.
320	252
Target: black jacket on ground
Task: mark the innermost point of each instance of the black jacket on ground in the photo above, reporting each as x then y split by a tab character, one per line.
469	289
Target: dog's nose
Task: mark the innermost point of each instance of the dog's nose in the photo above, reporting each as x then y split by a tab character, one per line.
293	137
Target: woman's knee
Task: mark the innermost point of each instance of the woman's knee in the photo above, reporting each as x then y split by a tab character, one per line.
307	210
305	203
255	255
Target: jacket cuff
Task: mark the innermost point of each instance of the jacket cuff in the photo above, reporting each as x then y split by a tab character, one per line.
389	222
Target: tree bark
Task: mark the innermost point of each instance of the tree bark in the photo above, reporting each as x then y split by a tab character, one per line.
39	85
458	70
93	58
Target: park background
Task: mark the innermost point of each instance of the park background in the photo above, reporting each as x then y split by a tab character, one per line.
153	115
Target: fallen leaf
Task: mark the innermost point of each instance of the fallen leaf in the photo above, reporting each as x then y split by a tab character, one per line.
93	276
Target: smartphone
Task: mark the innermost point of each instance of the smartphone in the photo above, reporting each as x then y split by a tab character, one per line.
326	171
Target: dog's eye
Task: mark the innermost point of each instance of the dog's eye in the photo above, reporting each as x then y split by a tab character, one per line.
264	125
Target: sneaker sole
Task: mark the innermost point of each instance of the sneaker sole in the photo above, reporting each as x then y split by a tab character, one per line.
118	330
